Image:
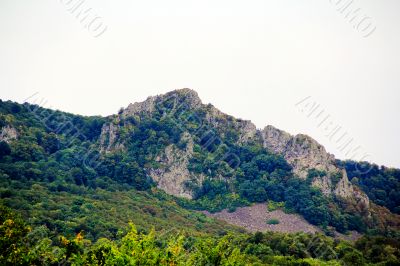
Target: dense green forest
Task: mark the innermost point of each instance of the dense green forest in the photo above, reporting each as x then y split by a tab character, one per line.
23	245
76	202
69	162
381	184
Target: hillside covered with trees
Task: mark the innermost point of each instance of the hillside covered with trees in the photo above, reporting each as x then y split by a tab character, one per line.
71	193
23	245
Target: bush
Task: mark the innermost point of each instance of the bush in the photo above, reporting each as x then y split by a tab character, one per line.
273	221
272	205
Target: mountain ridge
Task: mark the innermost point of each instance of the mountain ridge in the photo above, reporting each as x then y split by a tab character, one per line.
208	159
302	151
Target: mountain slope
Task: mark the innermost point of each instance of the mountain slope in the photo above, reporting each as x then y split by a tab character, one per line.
223	162
302	152
207	159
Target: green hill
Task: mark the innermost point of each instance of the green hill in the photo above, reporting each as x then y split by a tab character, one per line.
155	164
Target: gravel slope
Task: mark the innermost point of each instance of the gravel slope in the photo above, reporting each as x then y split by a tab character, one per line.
254	218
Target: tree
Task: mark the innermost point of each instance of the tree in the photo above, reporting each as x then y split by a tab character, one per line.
51	143
354	258
13	232
4	149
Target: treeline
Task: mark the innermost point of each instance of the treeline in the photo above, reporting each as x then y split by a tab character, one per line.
22	245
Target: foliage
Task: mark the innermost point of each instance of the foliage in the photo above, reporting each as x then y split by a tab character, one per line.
381	184
73	196
273	221
102	213
272	205
12	237
22	246
53	147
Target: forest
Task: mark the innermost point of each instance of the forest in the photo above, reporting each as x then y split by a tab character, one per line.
57	208
23	245
381	184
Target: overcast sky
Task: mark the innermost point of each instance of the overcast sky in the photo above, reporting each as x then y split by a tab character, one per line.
252	59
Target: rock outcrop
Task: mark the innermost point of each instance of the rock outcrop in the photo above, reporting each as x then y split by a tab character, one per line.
177	101
146	107
173	174
8	133
304	153
344	188
324	183
301	151
109	140
216	119
247	131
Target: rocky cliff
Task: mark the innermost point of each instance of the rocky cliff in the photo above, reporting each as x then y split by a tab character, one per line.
109	138
173	174
8	133
302	152
171	102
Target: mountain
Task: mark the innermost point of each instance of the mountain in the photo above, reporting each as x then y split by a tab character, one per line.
202	126
301	151
161	161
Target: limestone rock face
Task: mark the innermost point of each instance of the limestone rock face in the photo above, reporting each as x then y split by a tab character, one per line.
324	183
344	188
109	138
361	200
247	131
216	119
8	133
146	107
173	173
302	152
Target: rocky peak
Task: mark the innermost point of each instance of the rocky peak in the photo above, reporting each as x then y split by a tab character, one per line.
185	96
301	151
247	130
138	108
219	120
179	101
275	140
191	96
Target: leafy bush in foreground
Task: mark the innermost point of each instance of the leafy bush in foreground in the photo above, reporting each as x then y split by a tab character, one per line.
22	245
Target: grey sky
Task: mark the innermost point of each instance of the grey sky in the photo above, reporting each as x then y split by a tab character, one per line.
251	59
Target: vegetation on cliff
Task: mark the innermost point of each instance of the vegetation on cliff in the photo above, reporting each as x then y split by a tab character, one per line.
85	178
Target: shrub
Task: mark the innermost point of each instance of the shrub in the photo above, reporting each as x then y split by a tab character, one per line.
272	205
273	221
